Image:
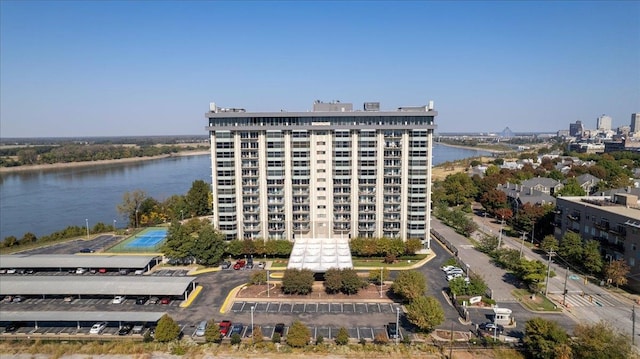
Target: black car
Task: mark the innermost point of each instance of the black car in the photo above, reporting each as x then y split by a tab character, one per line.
125	329
12	327
491	327
236	328
279	329
141	300
392	331
86	250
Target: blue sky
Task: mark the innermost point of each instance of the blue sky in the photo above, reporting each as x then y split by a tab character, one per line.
111	68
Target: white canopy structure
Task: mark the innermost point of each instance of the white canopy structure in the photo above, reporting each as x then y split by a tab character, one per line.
320	254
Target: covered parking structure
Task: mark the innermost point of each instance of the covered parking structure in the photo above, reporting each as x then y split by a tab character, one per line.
97	286
79	317
64	262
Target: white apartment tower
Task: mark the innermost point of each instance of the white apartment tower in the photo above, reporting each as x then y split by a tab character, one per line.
329	173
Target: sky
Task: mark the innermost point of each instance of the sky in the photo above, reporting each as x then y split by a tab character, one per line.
123	68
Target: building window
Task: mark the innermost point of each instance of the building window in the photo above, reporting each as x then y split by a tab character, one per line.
321	170
321	152
320	143
322	162
321	188
322	206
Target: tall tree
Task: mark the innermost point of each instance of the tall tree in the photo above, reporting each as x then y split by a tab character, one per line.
571	247
549	243
572	188
600	340
130	206
299	335
167	329
209	246
425	313
591	258
199	198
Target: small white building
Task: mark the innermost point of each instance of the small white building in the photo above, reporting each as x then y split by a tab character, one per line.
502	316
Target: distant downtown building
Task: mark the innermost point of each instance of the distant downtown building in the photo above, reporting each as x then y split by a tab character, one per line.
635	123
330	173
604	123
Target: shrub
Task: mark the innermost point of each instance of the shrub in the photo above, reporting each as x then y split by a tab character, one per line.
381	338
410	285
167	329
299	335
319	340
296	281
258	337
276	338
235	339
342	338
258	278
212	332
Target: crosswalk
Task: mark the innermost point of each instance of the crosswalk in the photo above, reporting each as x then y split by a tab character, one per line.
587	300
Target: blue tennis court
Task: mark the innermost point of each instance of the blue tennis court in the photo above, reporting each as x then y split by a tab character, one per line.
149	238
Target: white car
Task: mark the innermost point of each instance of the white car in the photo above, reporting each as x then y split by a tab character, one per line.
448	268
452	276
98	328
81	271
118	299
455	271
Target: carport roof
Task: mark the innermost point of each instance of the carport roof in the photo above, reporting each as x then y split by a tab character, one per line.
94	285
60	316
73	261
320	254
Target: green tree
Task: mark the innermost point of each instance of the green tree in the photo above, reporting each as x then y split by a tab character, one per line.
342	338
234	248
257	335
212	332
616	272
410	285
425	313
236	339
533	273
571	247
549	243
259	277
9	241
208	248
130	206
167	329
351	282
199	198
459	189
299	335
333	280
28	156
572	188
542	337
276	338
591	258
297	281
179	243
600	341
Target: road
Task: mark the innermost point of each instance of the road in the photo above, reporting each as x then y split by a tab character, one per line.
585	302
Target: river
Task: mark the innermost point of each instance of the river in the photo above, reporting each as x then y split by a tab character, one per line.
44	201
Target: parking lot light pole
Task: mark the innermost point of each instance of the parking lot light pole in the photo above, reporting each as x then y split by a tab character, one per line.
381	282
397	324
114	225
87	222
268	284
252	309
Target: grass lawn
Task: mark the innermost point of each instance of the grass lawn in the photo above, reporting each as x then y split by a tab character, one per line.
379	262
540	303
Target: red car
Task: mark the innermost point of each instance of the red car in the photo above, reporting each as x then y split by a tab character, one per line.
240	263
225	326
165	300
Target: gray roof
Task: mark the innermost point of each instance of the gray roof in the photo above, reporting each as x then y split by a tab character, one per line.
94	285
74	261
544	181
587	177
53	316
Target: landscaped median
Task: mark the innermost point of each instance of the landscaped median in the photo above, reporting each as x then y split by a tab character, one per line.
535	302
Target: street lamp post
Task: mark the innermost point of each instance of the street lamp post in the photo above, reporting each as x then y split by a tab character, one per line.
182	215
397	324
500	236
87	222
136	218
268	296
467	271
381	268
522	244
114	225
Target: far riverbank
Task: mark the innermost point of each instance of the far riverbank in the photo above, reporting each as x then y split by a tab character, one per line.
53	166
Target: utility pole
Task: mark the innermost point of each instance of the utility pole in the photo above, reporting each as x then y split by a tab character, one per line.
633	321
564	292
546	288
522	244
533	231
500	236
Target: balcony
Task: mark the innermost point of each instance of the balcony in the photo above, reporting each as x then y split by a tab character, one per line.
252	219
602	226
574	216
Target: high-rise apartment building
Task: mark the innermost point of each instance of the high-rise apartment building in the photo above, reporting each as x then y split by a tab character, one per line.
604	123
576	129
635	123
329	173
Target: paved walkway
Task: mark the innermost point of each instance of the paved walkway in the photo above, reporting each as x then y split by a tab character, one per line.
478	262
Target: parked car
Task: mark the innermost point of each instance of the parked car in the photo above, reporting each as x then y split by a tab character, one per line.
139	272
98	328
68	299
137	328
86	250
153	300
261	265
102	270
17	298
81	270
450	277
225	326
240	263
165	300
226	265
141	300
118	299
392	330
29	271
454	271
202	327
124	271
447	268
236	328
279	329
250	263
125	329
11	271
491	327
12	327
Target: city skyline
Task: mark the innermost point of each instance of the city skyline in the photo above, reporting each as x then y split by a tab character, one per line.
151	68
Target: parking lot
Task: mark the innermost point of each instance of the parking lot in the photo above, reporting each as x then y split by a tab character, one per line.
97	244
310	307
79	304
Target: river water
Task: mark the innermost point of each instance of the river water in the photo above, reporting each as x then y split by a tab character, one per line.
42	202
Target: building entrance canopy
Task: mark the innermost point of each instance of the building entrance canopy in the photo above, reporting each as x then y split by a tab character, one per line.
320	254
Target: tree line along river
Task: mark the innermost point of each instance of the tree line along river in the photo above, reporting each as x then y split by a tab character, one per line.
44	201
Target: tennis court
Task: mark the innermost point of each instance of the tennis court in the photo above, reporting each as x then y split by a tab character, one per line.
149	240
